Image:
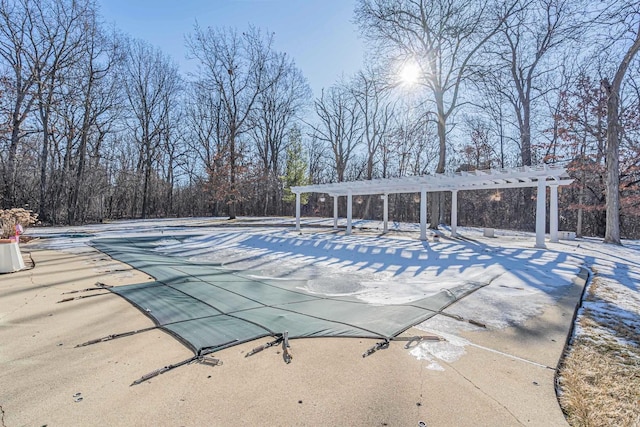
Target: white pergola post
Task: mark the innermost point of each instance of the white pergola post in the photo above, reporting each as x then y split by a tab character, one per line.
423	213
297	211
541	216
454	213
335	212
553	213
385	212
349	211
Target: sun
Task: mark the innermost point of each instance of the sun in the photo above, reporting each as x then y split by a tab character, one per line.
410	73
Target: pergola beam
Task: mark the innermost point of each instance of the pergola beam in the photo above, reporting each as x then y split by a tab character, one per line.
368	190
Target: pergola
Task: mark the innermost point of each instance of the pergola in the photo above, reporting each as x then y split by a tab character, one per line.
530	176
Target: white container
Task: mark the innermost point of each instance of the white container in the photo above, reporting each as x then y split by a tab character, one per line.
10	258
489	232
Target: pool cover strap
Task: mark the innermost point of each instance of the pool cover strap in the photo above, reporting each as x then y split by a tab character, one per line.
115	336
197	358
264	346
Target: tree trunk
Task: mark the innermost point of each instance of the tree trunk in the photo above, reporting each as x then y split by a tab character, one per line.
232	173
44	159
170	185
82	150
145	187
525	133
612	232
436	199
10	178
581	196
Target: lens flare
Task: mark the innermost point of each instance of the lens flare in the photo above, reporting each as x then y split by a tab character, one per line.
410	73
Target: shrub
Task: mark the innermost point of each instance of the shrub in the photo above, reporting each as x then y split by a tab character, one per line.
10	217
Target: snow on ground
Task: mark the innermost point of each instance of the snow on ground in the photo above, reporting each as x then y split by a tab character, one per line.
398	268
611	309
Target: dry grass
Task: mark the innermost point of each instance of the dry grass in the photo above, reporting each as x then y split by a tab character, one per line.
600	376
598	389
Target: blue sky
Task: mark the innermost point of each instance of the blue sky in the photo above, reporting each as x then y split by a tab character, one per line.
318	34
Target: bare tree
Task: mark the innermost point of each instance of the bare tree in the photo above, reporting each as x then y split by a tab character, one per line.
525	62
373	97
339	125
495	106
172	152
275	111
478	153
317	157
16	24
60	33
410	147
442	37
96	94
527	38
582	128
625	18
205	131
235	65
152	85
204	123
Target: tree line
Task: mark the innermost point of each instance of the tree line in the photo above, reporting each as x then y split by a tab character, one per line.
95	124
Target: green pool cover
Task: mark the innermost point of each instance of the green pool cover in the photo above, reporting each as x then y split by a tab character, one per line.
208	307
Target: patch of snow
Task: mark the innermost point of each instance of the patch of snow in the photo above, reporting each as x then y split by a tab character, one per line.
398	268
450	350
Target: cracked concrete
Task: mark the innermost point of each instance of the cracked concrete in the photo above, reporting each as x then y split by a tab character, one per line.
328	383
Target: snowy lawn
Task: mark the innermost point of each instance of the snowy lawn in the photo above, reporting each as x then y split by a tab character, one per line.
398	268
600	376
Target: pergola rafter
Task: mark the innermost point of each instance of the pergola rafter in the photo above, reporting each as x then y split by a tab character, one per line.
490	179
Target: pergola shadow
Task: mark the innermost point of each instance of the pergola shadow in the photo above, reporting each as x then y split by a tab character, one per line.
208	307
